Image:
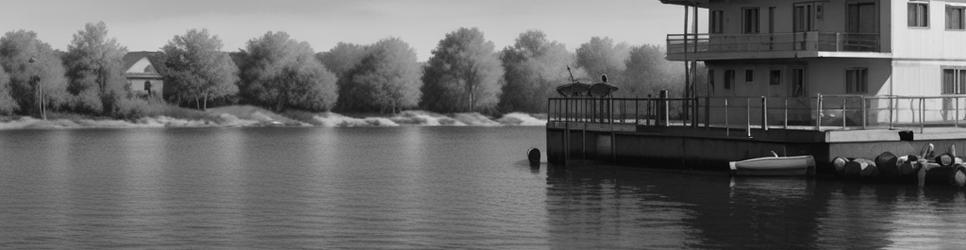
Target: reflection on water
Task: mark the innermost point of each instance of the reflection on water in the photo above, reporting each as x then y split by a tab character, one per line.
421	188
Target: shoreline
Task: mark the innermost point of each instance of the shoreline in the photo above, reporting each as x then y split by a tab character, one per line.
247	116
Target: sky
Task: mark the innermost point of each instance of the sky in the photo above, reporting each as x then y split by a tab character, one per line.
148	25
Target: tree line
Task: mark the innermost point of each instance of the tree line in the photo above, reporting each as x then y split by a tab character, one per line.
466	73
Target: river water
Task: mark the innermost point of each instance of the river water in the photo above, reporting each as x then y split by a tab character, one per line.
423	188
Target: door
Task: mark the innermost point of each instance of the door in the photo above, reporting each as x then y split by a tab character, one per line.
771	28
803	17
862	26
798	87
862	18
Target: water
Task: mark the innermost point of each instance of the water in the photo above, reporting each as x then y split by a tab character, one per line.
412	187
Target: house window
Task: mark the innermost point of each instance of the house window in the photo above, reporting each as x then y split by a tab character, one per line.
729	79
954	81
717	22
775	77
857	81
749	20
749	75
918	13
954	17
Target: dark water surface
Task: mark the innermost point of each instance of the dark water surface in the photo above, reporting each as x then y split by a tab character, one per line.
412	187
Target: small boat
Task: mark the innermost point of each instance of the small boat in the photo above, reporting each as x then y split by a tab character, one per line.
774	166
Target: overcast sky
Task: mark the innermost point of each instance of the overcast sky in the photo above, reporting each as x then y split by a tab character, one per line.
149	24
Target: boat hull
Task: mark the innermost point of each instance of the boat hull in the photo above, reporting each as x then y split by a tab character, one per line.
774	166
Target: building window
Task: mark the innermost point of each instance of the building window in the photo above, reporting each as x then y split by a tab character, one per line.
749	20
954	81
749	75
857	81
729	79
954	17
918	13
717	22
775	77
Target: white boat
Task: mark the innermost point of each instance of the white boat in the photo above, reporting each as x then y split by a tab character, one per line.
774	166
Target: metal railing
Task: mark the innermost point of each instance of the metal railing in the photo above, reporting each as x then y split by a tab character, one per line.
796	41
821	112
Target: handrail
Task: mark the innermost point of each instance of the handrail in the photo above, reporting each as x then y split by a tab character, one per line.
819	112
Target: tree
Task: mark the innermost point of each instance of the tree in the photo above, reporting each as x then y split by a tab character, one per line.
36	72
647	72
95	69
342	58
386	79
534	66
7	104
197	69
280	72
463	74
602	56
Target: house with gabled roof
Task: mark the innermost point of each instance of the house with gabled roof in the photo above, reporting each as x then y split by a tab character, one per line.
142	75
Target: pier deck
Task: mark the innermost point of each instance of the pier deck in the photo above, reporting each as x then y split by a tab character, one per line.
600	129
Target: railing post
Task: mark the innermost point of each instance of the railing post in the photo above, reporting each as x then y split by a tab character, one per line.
727	124
785	123
707	112
892	108
844	100
865	115
956	121
637	112
818	112
922	115
748	115
764	113
610	111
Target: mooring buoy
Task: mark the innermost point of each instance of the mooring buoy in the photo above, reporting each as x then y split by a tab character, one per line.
533	155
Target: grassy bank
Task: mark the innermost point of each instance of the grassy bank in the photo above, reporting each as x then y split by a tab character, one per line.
167	116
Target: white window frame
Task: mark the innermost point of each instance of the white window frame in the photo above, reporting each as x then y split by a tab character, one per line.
959	81
962	17
861	78
914	19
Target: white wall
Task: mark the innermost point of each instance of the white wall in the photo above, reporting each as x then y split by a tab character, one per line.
934	42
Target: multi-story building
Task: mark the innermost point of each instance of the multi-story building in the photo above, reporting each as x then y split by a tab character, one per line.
778	48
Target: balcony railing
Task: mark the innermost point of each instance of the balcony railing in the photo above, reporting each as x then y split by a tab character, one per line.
797	41
741	115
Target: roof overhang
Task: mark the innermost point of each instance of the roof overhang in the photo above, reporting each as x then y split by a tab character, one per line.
699	3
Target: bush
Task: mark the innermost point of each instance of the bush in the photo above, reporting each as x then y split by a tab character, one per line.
133	108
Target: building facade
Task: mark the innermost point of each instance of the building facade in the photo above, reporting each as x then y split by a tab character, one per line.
791	49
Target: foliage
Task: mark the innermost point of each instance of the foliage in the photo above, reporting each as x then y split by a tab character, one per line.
280	72
45	72
534	66
342	58
602	56
387	79
95	70
7	104
133	108
197	70
463	74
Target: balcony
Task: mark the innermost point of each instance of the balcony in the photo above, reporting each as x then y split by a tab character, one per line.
771	45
